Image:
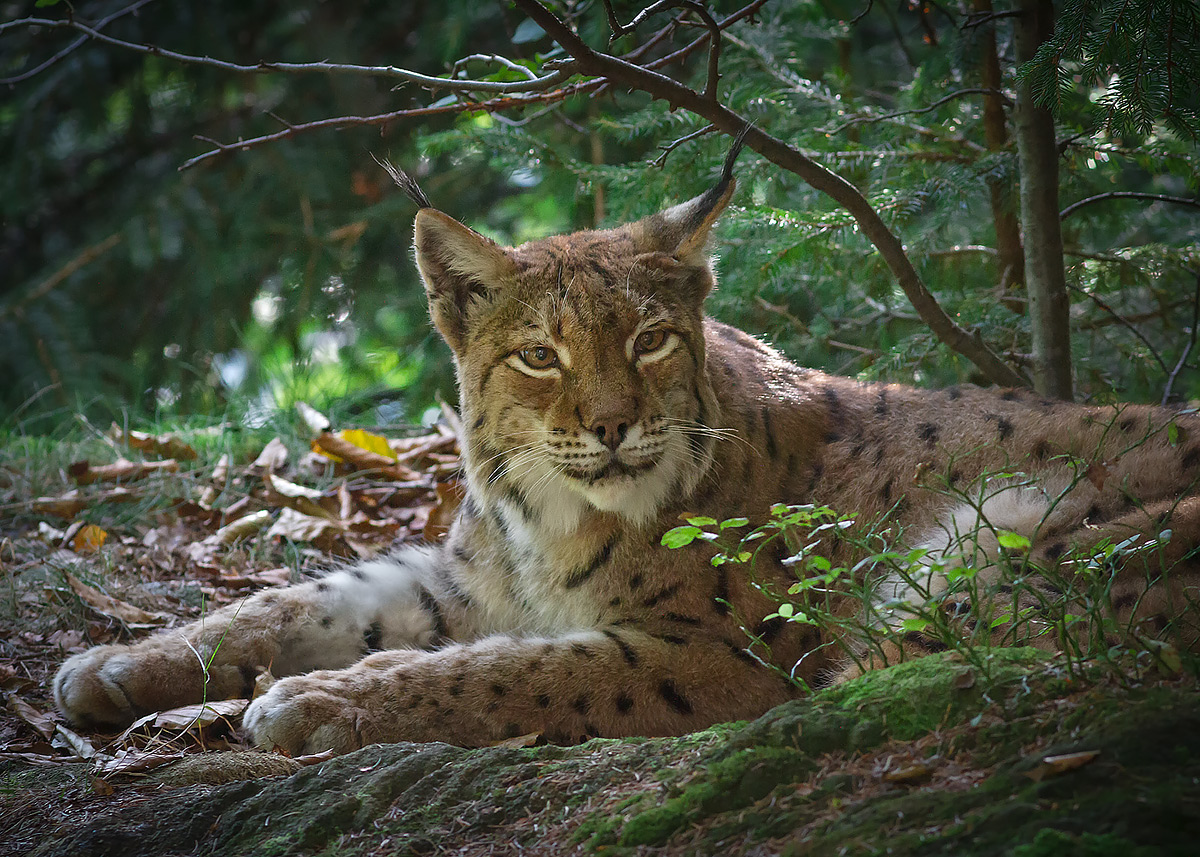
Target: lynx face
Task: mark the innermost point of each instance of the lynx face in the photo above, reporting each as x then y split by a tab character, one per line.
579	359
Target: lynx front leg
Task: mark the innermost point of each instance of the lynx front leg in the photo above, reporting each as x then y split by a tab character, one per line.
608	682
323	624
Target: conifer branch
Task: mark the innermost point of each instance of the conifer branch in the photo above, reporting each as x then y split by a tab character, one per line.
1127	194
635	77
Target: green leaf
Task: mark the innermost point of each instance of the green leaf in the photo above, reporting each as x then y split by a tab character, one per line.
786	610
527	31
1012	541
914	623
680	537
734	522
702	521
1173	434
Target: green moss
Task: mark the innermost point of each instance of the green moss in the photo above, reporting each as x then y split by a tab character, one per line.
731	783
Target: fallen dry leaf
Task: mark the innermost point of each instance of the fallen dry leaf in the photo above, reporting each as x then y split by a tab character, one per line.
316	421
137	761
911	773
338	448
42	723
88	539
163	444
307	501
123	612
519	741
73	741
449	496
273	456
1052	766
120	470
199	715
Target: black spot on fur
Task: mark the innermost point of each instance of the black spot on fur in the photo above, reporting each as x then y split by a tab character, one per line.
582	704
624	703
740	652
1004	427
1124	602
953	393
682	620
582	650
662	595
512	730
1041	450
721	594
429	605
581	575
1191	458
928	432
615	601
543	700
323	586
768	630
1094	515
772	448
672	639
326	621
358	574
1056	550
1010	395
499	689
627	652
1127	424
478	424
373	637
886	491
456	688
635	582
922	642
249	680
881	403
671	695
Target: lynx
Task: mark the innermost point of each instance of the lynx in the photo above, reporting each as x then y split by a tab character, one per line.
599	404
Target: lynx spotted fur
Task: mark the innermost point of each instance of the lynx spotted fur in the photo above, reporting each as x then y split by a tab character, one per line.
599	404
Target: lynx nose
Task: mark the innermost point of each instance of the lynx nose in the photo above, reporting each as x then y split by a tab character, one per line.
611	432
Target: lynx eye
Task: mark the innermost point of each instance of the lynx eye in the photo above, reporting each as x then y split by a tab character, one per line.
649	340
538	357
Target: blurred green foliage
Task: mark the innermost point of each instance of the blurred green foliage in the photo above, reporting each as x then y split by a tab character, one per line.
282	272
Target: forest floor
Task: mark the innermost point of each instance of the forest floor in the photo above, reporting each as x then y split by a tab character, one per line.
101	541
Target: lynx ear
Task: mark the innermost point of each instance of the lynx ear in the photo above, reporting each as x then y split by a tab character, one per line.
459	266
682	230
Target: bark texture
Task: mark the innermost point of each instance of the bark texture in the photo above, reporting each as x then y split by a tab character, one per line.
1045	278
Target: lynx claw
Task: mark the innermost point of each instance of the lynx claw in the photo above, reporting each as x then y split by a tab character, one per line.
88	691
298	716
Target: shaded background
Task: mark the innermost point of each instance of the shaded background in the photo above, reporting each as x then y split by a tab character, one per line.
131	289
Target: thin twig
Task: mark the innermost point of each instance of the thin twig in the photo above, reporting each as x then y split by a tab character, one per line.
668	148
958	93
1166	396
48	285
1126	194
74	46
638	78
1123	322
547	81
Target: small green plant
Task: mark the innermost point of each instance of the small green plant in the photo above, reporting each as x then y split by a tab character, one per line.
859	584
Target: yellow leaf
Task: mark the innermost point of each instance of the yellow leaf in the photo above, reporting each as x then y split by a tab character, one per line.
89	539
375	443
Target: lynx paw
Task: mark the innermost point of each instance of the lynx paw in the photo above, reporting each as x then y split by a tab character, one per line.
307	714
90	687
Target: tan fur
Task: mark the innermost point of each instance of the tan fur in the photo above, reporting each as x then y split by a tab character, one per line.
552	607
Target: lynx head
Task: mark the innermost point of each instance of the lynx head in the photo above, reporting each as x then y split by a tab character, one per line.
580	360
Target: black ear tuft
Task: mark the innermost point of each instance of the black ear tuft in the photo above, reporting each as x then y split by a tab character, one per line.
406	183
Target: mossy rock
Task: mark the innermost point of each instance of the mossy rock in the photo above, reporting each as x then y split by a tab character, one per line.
807	778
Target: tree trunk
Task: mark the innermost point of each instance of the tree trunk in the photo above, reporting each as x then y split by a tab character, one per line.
1045	280
1008	230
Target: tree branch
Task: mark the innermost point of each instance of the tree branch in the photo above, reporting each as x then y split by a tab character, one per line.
635	77
1126	194
560	74
74	46
1187	349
